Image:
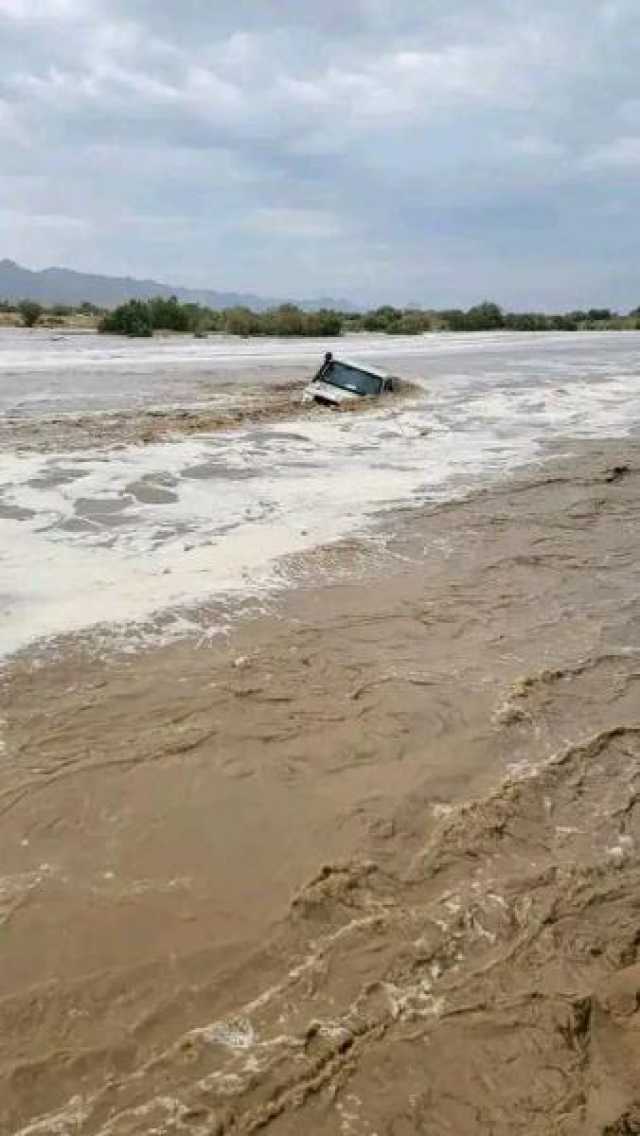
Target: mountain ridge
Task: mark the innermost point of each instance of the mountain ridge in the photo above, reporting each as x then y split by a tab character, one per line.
58	285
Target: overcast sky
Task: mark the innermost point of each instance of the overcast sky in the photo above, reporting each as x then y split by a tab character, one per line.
434	151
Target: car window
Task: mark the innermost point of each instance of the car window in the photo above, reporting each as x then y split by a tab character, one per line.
351	379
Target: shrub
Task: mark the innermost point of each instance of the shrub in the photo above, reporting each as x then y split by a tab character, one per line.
132	318
382	318
242	321
484	317
30	312
596	314
455	319
324	322
563	323
202	319
285	320
526	321
411	323
168	315
291	320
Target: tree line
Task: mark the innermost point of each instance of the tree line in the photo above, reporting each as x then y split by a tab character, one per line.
487	316
140	318
143	317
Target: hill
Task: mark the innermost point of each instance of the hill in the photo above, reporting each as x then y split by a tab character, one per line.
65	286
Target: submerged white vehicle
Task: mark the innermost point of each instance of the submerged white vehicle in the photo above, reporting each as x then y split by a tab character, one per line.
339	381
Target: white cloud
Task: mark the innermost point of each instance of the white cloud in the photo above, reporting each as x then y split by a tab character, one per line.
621	153
38	10
629	112
11	132
294	223
231	133
56	222
395	87
537	147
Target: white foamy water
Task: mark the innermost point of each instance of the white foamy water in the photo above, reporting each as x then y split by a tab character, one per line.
98	536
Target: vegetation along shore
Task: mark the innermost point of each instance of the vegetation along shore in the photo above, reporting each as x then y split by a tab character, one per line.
141	318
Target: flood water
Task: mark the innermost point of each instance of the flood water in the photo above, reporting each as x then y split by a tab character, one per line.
319	739
121	531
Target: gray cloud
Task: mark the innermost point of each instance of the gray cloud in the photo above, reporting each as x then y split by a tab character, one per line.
398	150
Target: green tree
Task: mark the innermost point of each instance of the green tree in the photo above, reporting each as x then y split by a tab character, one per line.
211	319
241	321
30	312
285	320
323	322
132	318
597	314
484	317
563	323
454	319
202	319
168	315
526	321
381	318
410	323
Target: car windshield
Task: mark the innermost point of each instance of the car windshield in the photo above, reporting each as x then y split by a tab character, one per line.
350	379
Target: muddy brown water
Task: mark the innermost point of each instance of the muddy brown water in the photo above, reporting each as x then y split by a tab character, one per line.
367	866
229	408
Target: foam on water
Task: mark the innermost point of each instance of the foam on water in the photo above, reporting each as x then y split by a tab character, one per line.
98	537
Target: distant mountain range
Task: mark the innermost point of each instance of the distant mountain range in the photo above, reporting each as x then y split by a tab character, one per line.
65	286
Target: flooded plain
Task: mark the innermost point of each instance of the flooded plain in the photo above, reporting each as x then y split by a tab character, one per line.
126	489
320	740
